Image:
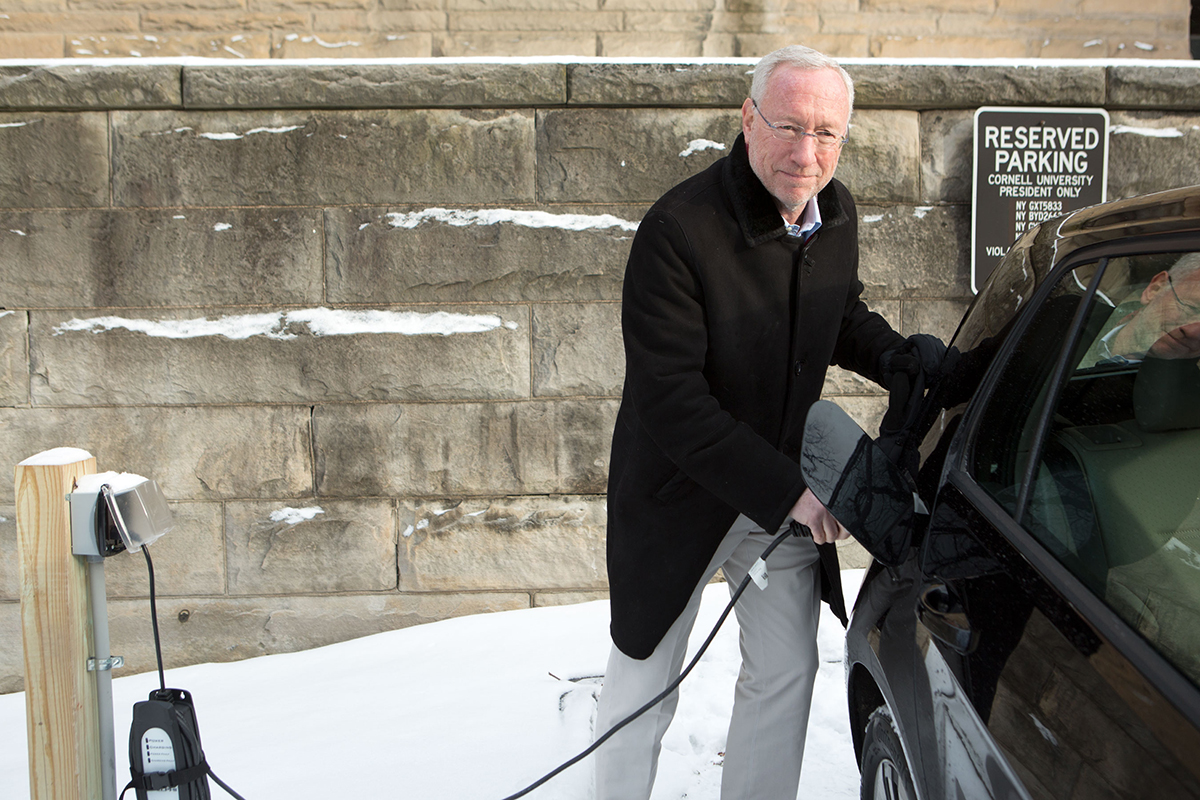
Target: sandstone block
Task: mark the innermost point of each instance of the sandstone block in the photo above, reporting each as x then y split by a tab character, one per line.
620	155
188	560
10	580
306	6
301	355
154	5
490	254
211	630
866	410
12	652
939	317
881	162
337	157
514	44
544	599
838	45
508	543
1166	88
32	45
175	21
625	45
89	86
413	5
14	21
456	450
374	85
193	453
840	381
115	259
14	359
915	251
577	350
526	5
410	21
415	44
947	156
949	86
275	548
899	23
206	45
1150	151
692	85
465	22
53	160
951	46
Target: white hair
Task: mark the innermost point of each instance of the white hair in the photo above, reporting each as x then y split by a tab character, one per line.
800	57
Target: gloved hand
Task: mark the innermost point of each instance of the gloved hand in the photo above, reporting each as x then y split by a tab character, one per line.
921	352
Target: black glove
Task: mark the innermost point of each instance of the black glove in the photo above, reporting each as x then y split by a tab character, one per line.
921	352
907	371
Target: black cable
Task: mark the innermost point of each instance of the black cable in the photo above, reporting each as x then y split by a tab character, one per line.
794	529
162	678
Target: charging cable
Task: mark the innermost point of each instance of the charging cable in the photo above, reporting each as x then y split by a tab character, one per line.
755	573
181	718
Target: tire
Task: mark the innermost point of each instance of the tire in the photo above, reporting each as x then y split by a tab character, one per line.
885	773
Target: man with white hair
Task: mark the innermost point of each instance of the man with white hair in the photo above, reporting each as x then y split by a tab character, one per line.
740	291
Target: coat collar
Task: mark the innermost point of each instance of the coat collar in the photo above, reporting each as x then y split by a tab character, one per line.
757	215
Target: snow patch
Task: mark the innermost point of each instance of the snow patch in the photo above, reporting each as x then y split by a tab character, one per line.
494	216
222	226
1155	133
55	457
319	321
873	218
6	313
920	211
294	516
117	481
13	124
229	136
17	232
699	146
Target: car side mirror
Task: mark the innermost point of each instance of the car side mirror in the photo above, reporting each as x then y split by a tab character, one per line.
859	485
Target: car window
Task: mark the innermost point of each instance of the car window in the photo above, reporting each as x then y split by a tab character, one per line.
1111	486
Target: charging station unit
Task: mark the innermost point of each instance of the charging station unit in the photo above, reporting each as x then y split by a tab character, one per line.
110	513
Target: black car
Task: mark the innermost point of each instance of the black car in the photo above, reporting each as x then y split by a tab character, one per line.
1030	626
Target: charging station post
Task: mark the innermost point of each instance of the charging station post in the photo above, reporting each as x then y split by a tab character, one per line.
61	698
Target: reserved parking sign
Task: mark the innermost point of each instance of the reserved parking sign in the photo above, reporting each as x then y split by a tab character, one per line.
1031	164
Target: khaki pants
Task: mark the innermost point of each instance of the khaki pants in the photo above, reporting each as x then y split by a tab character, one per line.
778	638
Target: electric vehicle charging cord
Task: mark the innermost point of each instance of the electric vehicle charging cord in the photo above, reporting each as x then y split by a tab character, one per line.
794	529
202	769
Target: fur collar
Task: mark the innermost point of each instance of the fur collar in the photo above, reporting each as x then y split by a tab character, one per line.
757	215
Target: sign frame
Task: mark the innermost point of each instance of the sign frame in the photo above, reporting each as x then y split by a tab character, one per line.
986	195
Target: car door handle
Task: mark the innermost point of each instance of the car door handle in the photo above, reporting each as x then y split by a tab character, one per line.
944	617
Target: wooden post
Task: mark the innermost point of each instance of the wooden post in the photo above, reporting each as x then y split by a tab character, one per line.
60	694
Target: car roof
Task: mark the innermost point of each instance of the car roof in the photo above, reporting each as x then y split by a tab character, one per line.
1161	213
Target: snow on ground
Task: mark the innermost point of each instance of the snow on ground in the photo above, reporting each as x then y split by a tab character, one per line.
474	708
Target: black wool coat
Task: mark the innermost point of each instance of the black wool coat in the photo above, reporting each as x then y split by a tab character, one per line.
729	326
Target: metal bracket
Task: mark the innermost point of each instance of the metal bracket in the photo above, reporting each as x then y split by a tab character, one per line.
104	665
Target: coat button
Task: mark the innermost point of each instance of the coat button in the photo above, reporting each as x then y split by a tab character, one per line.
799	367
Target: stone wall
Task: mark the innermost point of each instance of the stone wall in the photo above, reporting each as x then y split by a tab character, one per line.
361	320
605	28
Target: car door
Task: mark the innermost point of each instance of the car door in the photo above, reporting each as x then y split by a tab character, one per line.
1058	584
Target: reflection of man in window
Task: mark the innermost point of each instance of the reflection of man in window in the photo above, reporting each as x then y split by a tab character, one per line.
1165	320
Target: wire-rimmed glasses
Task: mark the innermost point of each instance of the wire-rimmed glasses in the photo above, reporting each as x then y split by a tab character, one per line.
824	139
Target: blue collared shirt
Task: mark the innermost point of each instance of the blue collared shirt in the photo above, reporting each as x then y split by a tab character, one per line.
807	224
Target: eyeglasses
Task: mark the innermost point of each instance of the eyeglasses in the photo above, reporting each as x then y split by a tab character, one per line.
1187	306
825	140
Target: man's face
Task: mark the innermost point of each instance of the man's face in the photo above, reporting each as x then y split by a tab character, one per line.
1168	324
794	172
